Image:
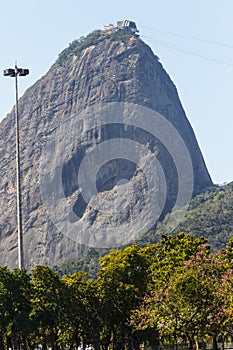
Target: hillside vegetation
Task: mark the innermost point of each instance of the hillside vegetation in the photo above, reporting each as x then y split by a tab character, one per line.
210	215
78	45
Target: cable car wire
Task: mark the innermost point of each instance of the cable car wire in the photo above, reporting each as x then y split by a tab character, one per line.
168	45
190	37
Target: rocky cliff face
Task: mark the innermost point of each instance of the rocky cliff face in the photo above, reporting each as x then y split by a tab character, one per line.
106	69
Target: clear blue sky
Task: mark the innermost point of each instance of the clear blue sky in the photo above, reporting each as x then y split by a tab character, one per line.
35	31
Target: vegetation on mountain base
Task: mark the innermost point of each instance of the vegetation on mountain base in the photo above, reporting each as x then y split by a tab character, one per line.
210	215
171	292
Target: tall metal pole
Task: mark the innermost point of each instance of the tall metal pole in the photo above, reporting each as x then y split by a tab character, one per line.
15	72
18	178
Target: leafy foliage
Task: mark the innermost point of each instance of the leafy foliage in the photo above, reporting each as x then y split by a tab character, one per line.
210	215
97	36
192	304
162	293
121	35
89	263
76	46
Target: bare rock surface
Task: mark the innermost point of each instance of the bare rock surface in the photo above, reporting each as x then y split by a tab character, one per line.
113	68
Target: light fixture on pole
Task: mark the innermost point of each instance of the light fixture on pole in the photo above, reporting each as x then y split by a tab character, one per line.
14	73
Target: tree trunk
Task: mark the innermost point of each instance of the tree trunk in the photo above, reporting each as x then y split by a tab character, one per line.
9	343
196	343
44	345
136	343
155	346
191	342
77	339
1	342
215	343
97	343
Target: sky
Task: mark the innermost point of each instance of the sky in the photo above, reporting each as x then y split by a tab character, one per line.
193	39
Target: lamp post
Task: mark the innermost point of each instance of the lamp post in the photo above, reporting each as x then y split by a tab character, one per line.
15	72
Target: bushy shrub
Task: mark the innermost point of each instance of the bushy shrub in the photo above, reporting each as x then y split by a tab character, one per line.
76	46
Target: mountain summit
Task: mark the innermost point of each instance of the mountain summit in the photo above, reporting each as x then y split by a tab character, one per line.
108	74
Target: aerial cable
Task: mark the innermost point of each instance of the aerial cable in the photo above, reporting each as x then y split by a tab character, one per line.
167	45
190	37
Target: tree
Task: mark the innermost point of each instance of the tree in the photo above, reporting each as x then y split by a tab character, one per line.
83	310
48	306
19	327
122	282
14	307
186	301
163	305
5	303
